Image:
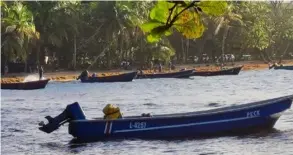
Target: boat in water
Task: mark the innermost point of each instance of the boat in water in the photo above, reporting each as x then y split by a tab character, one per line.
229	71
179	74
282	67
125	77
245	118
30	85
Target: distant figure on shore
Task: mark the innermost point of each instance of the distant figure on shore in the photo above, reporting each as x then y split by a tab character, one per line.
83	75
160	67
170	65
139	72
94	75
173	67
232	59
5	69
41	71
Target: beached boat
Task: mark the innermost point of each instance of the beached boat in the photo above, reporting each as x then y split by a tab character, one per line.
245	118
125	77
230	71
179	74
30	85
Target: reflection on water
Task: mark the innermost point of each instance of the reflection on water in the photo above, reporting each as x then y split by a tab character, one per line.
23	110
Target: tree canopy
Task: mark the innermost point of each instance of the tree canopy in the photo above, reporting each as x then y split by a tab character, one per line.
101	34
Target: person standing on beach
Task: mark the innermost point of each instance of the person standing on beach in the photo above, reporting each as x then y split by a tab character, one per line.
160	67
41	71
5	69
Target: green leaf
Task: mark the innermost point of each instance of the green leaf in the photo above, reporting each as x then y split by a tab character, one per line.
213	8
160	11
156	30
190	25
168	32
152	38
149	26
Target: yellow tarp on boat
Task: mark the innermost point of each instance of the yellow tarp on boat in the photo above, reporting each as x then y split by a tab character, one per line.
111	112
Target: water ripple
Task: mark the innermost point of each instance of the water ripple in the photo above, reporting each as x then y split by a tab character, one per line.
22	110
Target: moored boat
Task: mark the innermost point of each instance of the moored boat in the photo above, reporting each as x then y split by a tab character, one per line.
229	71
30	85
283	67
125	77
179	74
245	118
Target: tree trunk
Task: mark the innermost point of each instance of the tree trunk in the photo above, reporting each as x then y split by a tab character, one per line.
74	54
203	42
262	56
285	51
187	50
38	53
182	49
121	48
224	41
272	54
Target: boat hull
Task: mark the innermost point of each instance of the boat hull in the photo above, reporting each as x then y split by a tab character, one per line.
283	67
31	85
250	117
180	74
231	71
126	77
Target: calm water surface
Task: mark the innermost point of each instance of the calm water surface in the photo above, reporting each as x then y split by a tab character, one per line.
22	111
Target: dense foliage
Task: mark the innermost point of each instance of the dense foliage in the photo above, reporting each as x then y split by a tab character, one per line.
101	34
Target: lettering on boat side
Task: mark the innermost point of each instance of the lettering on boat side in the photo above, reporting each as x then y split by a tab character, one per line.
137	125
253	114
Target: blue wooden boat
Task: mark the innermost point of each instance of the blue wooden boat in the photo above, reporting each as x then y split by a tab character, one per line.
245	118
125	77
179	74
30	85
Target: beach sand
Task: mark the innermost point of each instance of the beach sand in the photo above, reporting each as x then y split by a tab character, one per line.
64	76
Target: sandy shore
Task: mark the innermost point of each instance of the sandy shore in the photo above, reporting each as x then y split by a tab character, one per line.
64	76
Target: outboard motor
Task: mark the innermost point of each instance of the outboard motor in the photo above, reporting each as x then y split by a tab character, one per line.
72	112
83	74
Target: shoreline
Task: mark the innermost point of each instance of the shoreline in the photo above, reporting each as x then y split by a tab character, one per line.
64	76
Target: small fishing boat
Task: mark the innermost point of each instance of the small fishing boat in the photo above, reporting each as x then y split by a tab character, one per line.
125	77
229	71
283	67
30	85
179	74
245	118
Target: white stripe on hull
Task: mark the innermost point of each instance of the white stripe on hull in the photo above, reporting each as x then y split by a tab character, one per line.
184	125
110	128
105	127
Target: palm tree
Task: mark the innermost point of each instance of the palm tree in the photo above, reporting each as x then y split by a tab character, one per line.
19	31
225	22
56	22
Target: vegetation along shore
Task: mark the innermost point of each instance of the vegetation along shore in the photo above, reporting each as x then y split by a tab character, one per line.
101	34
